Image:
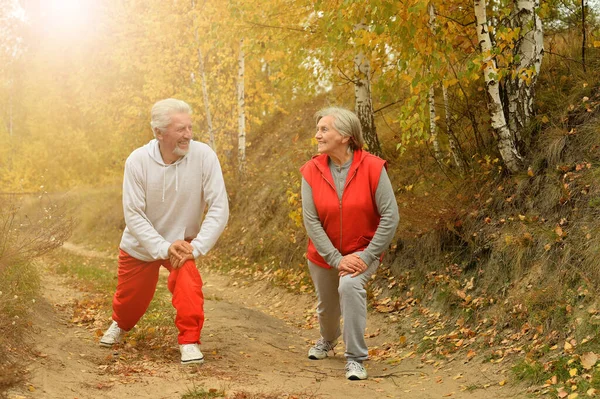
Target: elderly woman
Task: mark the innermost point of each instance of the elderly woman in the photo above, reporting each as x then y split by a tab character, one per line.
350	214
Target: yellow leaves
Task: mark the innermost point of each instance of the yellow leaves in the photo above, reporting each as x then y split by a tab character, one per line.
450	82
560	234
573	372
597	43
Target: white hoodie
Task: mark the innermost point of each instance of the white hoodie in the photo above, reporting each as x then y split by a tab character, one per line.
164	203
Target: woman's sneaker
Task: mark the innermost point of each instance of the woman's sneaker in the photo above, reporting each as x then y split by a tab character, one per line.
321	349
191	354
111	336
355	371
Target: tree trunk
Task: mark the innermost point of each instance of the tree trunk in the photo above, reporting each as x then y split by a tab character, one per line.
431	98
363	105
452	141
241	111
584	35
506	143
10	111
433	126
529	52
211	134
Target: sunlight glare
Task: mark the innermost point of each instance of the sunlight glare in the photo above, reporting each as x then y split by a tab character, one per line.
66	16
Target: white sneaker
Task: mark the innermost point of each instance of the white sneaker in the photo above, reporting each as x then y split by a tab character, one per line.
191	354
321	349
111	336
355	371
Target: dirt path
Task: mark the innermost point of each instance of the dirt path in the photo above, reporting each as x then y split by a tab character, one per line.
253	341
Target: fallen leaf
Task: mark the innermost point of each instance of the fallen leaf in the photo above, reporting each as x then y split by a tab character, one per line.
568	347
573	372
588	360
502	383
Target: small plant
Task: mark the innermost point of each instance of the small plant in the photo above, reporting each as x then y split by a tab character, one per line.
532	371
201	393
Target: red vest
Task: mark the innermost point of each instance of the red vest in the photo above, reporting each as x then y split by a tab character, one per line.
350	223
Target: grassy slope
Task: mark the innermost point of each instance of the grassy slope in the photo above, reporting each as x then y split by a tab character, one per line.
502	266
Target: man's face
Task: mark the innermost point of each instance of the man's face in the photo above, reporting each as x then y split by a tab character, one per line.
175	140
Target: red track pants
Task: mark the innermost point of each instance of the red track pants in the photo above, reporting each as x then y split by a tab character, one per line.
135	288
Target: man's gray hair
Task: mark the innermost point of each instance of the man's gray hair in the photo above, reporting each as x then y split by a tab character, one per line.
346	122
162	110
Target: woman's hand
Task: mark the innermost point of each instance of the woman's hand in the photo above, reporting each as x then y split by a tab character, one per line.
351	264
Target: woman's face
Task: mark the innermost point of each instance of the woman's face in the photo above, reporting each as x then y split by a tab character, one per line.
329	140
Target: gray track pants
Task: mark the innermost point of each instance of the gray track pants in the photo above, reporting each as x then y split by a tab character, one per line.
345	297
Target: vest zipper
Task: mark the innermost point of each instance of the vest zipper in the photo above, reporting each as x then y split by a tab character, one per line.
341	214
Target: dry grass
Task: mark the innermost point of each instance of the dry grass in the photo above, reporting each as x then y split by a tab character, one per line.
28	228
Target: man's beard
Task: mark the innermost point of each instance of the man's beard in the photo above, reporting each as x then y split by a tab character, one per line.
179	152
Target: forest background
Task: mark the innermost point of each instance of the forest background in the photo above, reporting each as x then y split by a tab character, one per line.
486	111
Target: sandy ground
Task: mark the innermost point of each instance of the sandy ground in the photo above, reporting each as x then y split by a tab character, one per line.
254	342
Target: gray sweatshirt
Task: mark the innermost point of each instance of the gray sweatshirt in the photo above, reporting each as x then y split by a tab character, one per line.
386	206
163	203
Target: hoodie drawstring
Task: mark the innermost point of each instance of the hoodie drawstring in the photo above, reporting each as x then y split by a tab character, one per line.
164	181
165	167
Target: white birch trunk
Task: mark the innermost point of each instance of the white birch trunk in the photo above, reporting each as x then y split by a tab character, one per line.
529	52
431	99
241	111
433	126
10	112
211	133
454	147
506	143
363	105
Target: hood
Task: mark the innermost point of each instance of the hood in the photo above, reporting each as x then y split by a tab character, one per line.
154	152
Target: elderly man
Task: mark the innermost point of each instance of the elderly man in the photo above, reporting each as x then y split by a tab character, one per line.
167	185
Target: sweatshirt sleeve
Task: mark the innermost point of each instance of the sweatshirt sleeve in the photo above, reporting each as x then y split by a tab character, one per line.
388	209
134	211
215	195
314	228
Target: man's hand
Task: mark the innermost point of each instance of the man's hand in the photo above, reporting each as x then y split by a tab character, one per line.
179	252
351	264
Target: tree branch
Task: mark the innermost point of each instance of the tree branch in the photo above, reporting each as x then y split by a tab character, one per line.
563	56
278	27
385	106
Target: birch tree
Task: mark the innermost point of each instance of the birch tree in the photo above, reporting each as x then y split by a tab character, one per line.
506	142
209	125
452	141
241	111
431	98
527	60
363	103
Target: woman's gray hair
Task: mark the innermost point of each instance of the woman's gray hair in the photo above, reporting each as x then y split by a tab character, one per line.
162	110
346	122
